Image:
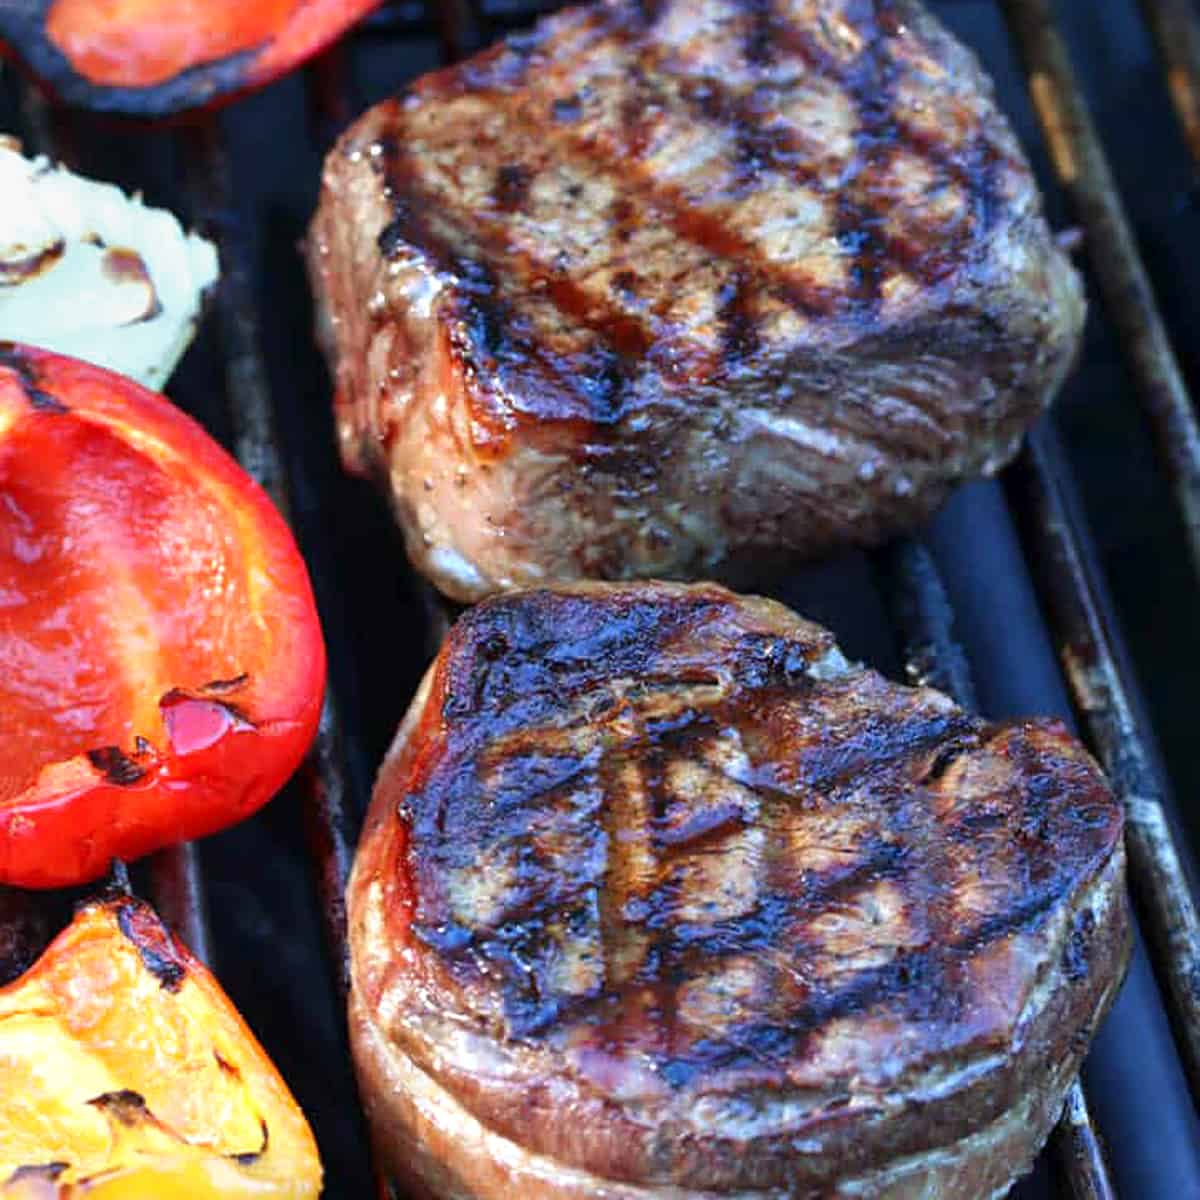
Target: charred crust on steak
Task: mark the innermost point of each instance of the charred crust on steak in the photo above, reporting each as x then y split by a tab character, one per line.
650	10
512	186
566	108
537	678
492	337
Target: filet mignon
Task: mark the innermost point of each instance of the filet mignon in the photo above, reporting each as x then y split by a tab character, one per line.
660	287
661	897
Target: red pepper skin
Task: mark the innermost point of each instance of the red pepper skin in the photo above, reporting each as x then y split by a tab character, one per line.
161	660
154	58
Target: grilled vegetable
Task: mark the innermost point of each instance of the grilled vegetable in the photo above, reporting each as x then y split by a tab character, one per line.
154	57
161	661
88	271
125	1072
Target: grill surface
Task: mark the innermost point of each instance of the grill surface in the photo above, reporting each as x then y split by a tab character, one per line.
1006	601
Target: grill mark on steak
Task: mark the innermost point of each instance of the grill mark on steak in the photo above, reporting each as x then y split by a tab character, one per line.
920	981
871	85
650	11
489	336
512	187
739	333
606	829
655	968
868	80
758	41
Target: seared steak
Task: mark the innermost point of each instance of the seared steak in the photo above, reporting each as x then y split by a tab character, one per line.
661	897
664	285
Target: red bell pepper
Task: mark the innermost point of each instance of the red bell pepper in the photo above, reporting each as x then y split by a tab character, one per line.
161	659
153	57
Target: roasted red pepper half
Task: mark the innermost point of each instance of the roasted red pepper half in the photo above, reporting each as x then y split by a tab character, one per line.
154	57
127	1074
161	660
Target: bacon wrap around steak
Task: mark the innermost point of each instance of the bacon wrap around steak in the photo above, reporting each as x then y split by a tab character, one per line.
659	288
660	895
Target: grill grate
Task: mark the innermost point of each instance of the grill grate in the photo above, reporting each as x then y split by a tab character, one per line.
1082	168
924	618
1176	28
1056	541
1102	694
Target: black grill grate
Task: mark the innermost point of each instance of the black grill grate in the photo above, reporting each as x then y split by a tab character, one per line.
254	380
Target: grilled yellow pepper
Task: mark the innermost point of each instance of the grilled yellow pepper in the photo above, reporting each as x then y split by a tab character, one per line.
126	1073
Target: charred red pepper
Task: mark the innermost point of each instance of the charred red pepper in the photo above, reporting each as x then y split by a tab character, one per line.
161	660
154	57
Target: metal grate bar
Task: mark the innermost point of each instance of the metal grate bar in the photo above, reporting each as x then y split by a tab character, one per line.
327	825
179	895
398	18
457	26
1080	1151
1082	168
921	612
47	133
25	927
327	819
1176	28
1062	559
257	449
332	100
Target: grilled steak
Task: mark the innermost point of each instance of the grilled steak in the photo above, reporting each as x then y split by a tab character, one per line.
666	285
661	897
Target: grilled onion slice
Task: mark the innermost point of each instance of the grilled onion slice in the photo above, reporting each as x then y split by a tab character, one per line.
87	271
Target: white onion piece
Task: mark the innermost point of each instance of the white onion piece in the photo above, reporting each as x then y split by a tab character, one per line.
87	271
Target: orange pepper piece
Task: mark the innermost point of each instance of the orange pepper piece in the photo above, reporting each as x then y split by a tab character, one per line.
126	1073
